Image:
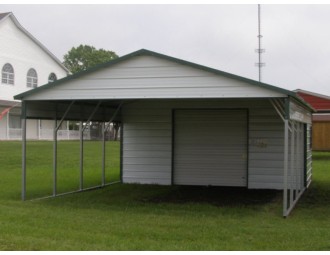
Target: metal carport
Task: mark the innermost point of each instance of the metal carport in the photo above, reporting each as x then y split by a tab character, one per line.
100	94
83	111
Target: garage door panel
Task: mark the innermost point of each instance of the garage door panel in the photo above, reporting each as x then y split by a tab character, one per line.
210	159
210	147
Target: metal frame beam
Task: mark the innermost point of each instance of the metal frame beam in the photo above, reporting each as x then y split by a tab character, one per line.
105	128
55	156
293	185
23	153
286	165
81	161
56	128
82	129
279	109
23	150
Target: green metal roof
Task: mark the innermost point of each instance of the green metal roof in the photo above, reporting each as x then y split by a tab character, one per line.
144	52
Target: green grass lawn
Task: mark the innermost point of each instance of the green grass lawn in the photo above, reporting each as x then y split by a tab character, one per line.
147	217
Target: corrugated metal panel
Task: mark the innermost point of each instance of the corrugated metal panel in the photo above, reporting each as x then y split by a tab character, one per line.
47	110
265	151
151	77
210	147
147	144
309	166
266	134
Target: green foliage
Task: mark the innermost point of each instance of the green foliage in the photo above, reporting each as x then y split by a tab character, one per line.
85	56
134	217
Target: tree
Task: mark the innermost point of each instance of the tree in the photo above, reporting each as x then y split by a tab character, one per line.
85	56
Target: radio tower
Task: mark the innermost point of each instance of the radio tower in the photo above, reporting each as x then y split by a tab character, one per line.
259	50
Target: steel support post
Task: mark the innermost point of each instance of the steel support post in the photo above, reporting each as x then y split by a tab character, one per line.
298	159
8	126
285	172
82	129
278	108
23	154
92	115
81	173
103	154
105	128
304	155
113	117
292	160
55	159
56	128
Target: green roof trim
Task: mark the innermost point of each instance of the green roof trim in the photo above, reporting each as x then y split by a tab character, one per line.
144	52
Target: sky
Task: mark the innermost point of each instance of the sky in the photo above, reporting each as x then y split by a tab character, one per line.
296	37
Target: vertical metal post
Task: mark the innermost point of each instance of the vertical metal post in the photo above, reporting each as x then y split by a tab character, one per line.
105	128
38	128
8	133
103	153
23	151
304	155
67	130
81	181
292	161
299	158
82	144
55	159
285	172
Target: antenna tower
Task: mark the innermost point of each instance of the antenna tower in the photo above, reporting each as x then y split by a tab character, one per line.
260	64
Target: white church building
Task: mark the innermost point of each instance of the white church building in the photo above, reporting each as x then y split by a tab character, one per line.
25	64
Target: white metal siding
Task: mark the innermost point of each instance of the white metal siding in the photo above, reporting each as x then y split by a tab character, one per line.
152	77
266	143
210	147
149	122
309	167
147	144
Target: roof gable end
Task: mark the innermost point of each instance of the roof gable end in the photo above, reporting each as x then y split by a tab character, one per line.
70	80
4	16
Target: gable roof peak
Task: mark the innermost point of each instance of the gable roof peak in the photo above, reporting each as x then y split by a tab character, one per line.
146	52
10	15
4	14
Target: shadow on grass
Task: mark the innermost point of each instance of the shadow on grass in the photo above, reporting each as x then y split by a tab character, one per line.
317	195
321	156
217	196
134	194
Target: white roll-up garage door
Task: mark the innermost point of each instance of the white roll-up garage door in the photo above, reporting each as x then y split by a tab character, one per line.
210	147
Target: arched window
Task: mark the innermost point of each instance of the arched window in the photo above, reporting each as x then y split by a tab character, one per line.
32	78
7	74
52	77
